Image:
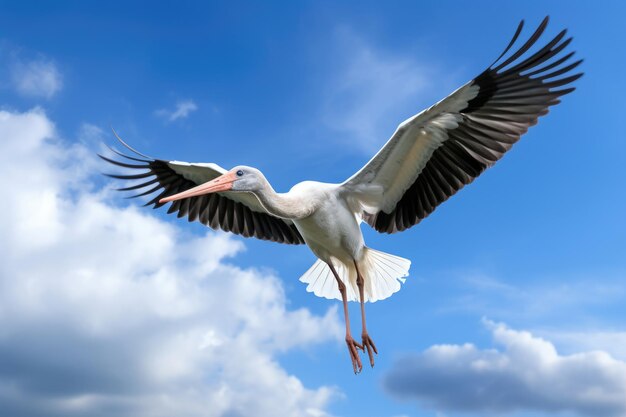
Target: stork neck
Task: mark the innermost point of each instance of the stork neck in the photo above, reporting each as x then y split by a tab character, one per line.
284	205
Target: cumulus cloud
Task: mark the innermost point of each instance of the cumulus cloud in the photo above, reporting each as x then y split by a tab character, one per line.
370	90
613	342
183	109
107	310
526	374
36	78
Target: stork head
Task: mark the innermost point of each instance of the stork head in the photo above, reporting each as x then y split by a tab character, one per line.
247	179
240	178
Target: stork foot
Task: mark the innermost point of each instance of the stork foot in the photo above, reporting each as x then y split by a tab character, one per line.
368	344
354	354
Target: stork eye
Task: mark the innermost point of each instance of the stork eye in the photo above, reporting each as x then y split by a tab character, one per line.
239	173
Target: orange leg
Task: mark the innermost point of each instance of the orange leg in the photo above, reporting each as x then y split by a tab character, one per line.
367	341
352	344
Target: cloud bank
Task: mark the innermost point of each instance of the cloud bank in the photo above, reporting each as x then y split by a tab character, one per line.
107	310
527	374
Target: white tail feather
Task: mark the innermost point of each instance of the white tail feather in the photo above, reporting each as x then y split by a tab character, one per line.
383	274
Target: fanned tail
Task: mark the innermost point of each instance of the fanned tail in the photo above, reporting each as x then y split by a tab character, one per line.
323	284
383	274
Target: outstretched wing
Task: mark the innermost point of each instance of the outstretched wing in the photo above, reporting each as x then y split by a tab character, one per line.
435	153
239	213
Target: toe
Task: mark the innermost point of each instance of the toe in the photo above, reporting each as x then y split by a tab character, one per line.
357	366
371	348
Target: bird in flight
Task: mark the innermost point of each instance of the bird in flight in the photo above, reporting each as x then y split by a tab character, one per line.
430	157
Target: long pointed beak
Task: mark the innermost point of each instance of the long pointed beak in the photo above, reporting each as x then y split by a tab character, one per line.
221	183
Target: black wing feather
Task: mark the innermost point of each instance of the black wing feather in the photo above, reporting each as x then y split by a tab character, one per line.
216	210
507	104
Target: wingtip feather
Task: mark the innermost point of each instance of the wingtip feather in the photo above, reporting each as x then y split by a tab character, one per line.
128	146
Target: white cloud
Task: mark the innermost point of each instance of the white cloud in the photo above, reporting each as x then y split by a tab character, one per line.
36	78
528	374
373	92
613	342
90	134
182	111
108	310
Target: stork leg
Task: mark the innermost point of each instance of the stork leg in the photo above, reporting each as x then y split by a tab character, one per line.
352	344
367	341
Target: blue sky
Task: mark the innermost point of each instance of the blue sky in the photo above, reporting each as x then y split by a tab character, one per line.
515	302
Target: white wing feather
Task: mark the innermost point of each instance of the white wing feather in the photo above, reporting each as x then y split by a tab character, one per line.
384	179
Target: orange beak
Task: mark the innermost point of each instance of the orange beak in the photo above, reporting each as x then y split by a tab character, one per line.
221	183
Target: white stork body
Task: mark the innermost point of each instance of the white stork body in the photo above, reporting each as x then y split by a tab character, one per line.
333	233
429	158
332	229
